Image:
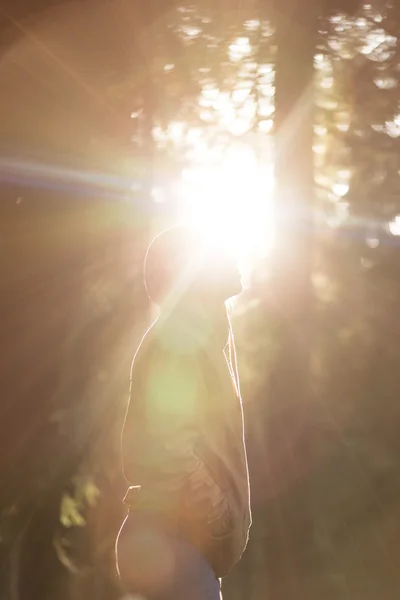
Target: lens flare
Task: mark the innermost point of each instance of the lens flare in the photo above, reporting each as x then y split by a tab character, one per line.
232	201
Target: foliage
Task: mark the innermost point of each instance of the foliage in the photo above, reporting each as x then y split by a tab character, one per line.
62	485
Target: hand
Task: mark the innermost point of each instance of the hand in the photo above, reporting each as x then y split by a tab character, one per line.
206	499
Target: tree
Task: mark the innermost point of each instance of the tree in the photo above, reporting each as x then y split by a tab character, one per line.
45	205
343	364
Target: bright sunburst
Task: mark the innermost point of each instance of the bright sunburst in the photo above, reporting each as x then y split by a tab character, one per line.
228	187
231	198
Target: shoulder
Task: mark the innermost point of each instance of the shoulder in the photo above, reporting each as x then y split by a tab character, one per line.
166	349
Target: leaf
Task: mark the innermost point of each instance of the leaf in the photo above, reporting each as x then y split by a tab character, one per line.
69	513
91	493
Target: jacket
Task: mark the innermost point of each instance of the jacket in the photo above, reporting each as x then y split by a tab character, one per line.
183	448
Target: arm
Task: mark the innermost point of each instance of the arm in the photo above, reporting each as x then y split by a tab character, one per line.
160	430
159	440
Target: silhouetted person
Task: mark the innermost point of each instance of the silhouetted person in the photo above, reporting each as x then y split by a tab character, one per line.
183	445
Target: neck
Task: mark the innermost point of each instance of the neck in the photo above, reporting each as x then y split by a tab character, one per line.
209	324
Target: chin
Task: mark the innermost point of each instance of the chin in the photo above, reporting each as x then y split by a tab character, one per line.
234	289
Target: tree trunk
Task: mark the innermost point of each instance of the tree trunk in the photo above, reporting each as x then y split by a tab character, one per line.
294	170
288	398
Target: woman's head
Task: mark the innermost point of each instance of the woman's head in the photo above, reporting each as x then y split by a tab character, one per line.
182	265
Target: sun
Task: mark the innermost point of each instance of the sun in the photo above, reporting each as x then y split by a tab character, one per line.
231	199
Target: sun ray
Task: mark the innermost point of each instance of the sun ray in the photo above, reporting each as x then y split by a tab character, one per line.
232	200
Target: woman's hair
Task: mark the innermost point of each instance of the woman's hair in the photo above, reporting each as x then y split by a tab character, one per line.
172	264
233	357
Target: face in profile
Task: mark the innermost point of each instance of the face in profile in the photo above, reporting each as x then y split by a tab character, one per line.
221	275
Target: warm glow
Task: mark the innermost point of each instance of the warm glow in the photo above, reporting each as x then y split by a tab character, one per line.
227	189
394	226
231	198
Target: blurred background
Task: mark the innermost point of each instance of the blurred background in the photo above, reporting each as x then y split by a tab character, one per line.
276	126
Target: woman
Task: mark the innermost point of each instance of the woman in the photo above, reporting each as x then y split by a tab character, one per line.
183	448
